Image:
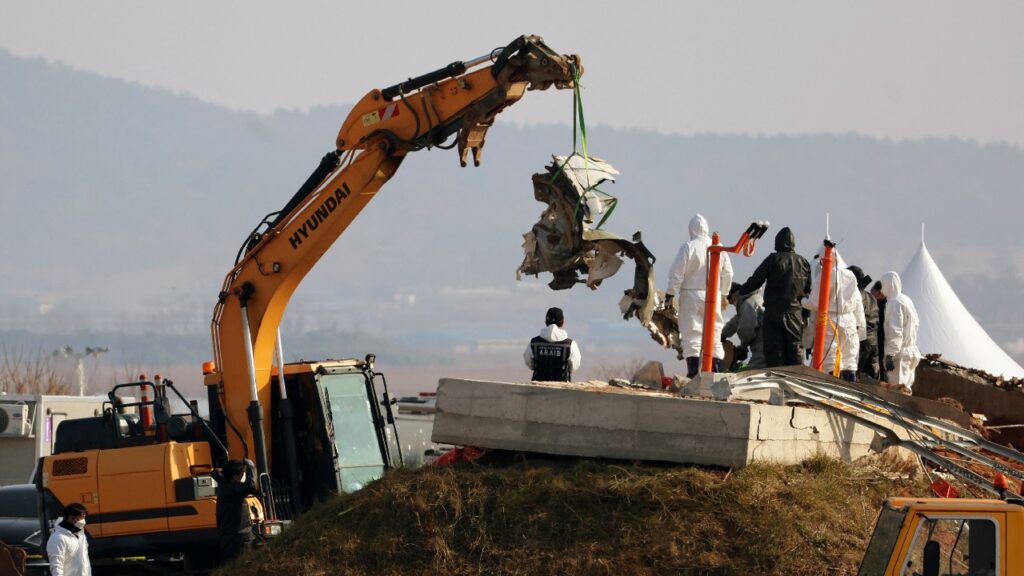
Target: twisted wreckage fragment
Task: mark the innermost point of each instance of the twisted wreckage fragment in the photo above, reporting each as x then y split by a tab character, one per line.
567	242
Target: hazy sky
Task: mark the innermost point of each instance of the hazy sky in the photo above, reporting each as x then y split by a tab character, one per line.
883	68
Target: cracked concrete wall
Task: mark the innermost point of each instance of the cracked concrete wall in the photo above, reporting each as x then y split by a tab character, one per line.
790	434
601	421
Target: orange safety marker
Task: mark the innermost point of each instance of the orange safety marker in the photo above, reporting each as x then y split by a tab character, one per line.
746	245
824	287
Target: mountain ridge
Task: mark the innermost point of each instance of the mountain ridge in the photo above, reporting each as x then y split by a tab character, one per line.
130	203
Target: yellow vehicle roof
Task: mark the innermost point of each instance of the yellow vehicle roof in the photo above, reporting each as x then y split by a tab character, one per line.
952	504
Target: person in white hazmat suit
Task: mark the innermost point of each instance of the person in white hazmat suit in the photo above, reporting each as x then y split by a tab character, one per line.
68	547
901	324
688	279
847	326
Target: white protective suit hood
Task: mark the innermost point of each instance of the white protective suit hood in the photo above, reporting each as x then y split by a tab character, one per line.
687	278
843	281
552	333
892	286
837	261
901	326
698	227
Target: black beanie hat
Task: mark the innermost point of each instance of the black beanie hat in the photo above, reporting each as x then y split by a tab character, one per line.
554	316
862	279
233	468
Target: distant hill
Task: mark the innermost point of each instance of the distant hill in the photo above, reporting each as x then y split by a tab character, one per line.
126	205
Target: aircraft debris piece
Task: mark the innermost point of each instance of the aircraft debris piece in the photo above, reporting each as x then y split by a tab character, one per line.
661	322
567	240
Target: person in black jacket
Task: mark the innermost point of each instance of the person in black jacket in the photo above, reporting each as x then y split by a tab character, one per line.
876	293
235	482
787	278
552	355
868	363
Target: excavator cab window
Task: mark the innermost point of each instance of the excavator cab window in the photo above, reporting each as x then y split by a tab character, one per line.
340	440
357	431
883	541
953	546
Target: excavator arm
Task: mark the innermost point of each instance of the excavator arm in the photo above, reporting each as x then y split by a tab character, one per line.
460	99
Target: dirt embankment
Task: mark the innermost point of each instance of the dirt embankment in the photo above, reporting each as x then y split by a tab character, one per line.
591	518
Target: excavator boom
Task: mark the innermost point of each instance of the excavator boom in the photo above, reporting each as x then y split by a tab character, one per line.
460	99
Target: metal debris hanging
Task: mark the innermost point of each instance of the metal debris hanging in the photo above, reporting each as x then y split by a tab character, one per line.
567	240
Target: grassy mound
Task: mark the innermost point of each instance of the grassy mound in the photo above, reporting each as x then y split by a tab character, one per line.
588	518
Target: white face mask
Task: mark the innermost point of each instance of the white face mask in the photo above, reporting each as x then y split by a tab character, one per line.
80	524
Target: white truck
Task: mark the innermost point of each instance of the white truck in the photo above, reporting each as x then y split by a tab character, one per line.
27	425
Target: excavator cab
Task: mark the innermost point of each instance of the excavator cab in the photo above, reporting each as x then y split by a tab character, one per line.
333	432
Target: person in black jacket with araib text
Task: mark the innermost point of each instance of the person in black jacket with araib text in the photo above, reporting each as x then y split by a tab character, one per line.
552	355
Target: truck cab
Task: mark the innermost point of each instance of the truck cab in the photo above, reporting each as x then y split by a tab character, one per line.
943	536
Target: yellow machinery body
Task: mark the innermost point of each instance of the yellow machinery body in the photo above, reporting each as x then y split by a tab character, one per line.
932	536
140	498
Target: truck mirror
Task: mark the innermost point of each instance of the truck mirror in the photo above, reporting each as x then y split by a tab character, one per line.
931	559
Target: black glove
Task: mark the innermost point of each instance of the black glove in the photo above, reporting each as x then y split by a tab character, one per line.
890	365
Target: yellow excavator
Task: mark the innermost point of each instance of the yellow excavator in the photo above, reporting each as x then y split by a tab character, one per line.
313	428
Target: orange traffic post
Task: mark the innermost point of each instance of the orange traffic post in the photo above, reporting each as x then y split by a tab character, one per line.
146	410
824	288
746	245
707	345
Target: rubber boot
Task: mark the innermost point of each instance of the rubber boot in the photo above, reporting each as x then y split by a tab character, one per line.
848	375
692	366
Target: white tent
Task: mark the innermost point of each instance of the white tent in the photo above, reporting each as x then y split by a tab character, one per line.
947	327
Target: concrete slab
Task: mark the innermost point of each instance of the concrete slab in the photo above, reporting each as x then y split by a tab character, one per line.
596	420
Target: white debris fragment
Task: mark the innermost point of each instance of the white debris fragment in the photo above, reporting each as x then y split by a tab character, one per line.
567	240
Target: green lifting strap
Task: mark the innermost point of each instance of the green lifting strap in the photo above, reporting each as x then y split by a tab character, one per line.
579	121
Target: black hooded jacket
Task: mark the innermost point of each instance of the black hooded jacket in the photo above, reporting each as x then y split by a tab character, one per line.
233	520
787	276
870	305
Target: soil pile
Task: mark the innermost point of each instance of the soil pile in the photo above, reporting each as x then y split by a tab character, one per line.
589	517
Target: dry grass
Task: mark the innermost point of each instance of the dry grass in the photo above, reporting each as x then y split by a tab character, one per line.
588	518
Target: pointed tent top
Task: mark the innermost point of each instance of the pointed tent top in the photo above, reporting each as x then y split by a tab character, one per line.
947	327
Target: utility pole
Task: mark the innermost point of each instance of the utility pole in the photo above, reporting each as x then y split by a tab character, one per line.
78	357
